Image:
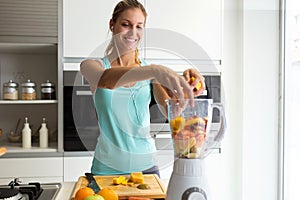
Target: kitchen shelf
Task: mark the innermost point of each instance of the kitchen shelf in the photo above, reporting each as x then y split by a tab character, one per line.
27	48
28	102
17	148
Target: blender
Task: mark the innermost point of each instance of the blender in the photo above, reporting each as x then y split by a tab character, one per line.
192	142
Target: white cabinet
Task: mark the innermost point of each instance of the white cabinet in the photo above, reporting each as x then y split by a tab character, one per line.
196	22
85	25
188	23
31	169
74	167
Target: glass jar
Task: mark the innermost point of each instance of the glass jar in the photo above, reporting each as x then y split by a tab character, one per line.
48	91
10	90
28	90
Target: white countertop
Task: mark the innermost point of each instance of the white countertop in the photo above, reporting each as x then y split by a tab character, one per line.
67	189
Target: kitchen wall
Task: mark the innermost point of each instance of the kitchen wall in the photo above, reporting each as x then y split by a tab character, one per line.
248	165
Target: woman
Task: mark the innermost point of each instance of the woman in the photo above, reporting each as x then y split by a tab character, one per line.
121	87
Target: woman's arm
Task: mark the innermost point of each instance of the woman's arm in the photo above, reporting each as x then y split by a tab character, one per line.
116	77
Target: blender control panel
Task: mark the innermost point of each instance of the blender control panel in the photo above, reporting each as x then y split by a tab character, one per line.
194	193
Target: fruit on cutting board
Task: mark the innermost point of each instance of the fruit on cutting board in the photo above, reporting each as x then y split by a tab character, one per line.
136	177
143	186
108	194
94	197
120	180
82	193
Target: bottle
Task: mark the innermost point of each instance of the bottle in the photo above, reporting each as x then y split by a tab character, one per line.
26	135
44	135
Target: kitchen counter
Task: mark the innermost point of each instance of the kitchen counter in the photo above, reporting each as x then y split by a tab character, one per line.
67	189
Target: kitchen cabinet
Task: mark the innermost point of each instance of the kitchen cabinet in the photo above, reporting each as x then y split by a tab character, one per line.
29	51
44	170
28	21
85	26
190	30
76	166
187	24
37	63
199	22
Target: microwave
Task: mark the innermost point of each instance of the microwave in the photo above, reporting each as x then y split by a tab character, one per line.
80	126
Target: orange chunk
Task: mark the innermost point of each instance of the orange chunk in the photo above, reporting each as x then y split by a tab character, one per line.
119	180
137	177
198	86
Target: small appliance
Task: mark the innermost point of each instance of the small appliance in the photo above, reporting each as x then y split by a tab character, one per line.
192	142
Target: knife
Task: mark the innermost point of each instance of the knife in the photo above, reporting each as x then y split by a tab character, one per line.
92	182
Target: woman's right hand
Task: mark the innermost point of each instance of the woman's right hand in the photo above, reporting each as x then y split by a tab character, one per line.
176	86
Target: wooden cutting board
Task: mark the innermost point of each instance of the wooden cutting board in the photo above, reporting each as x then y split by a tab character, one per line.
157	189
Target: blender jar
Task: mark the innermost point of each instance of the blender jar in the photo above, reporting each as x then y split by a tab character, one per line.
190	127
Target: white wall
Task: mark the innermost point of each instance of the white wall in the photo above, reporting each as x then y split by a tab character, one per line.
260	99
248	164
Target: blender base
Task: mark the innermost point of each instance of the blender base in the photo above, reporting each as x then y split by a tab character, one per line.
188	181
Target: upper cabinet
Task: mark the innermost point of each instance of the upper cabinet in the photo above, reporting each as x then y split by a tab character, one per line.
190	29
194	26
28	21
85	25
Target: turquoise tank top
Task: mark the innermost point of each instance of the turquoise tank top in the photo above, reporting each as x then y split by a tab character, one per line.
124	144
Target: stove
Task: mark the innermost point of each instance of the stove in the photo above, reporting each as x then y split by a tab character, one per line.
30	191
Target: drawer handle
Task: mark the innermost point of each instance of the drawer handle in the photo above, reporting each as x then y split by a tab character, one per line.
83	93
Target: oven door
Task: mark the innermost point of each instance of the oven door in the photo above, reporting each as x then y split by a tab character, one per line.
81	128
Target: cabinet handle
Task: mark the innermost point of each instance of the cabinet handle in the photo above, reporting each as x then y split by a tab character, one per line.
83	92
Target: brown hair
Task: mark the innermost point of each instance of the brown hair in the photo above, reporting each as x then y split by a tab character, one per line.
119	8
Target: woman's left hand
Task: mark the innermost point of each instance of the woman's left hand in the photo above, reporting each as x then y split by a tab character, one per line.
196	81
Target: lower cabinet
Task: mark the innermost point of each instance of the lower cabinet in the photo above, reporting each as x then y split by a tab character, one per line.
43	170
76	166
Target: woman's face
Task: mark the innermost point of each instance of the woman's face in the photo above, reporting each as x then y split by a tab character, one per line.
128	29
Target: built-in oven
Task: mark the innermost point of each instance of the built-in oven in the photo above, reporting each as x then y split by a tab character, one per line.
80	120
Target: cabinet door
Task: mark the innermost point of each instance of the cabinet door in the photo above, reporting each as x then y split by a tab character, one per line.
74	167
85	25
198	20
28	21
31	169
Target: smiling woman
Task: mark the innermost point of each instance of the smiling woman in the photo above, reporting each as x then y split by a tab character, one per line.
120	84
